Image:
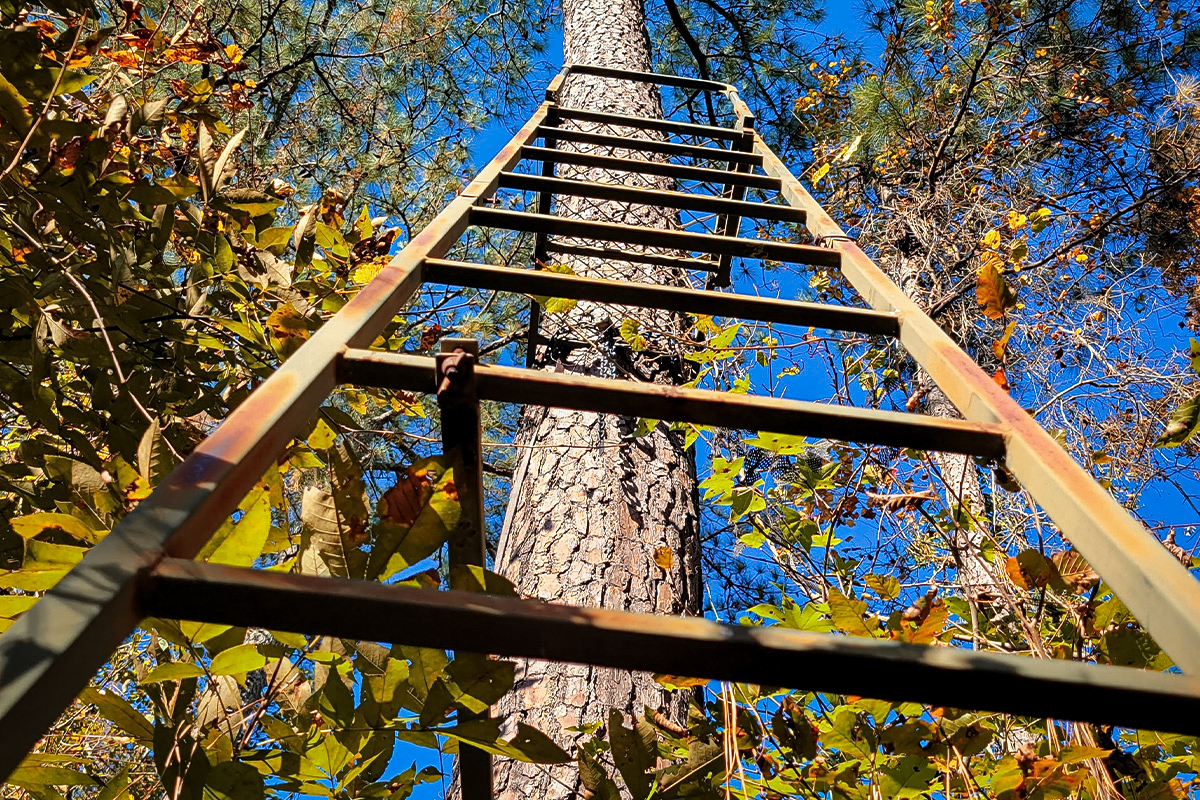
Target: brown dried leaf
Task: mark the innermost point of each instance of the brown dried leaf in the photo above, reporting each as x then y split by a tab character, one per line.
430	336
1075	570
897	502
403	502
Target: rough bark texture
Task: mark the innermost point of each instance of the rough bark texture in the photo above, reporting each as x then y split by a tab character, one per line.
590	504
975	575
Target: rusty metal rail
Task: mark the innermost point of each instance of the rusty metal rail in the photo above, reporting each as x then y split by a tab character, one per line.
668	298
142	566
680	404
773	656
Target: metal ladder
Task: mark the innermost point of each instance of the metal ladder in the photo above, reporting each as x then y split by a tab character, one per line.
143	567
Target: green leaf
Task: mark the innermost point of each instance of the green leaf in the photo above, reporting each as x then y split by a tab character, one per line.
238	660
1075	753
35	777
43	555
849	734
595	780
275	240
31	525
531	745
1182	425
427	533
117	786
427	665
910	776
32	581
247	201
745	500
465	577
329	755
847	615
173	671
634	756
116	709
438	704
249	536
886	586
724	473
322	436
181	186
233	780
560	305
480	680
13	606
155	460
200	632
780	443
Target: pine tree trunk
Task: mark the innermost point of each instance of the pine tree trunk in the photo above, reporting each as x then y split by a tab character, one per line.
976	577
591	505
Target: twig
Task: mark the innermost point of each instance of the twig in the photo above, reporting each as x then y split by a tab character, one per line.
112	353
16	159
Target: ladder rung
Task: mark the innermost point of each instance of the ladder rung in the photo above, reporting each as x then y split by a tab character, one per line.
651	146
639	165
772	655
652	197
656	237
681	404
612	254
670	298
645	123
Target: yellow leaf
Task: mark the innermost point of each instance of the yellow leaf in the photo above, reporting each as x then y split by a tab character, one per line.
285	323
850	149
991	239
820	173
366	272
664	557
1016	220
676	682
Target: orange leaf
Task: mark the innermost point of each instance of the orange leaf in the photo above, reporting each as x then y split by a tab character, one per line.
403	502
664	557
1001	380
1000	346
430	336
992	291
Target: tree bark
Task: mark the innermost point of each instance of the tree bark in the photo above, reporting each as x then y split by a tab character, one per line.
591	505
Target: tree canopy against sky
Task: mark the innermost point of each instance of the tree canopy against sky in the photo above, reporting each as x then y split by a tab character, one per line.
1027	169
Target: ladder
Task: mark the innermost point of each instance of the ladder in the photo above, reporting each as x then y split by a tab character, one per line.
144	567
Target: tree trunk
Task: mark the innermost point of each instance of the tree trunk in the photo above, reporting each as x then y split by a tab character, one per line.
976	577
591	505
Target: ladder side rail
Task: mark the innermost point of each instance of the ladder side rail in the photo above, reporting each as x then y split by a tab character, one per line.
541	255
682	404
462	440
675	645
1161	592
53	650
